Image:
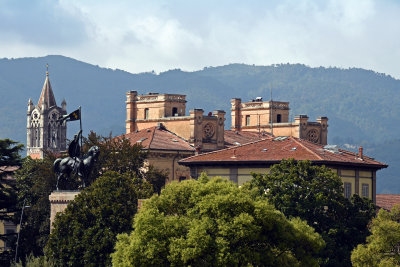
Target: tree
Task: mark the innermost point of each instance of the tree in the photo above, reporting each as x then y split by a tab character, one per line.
383	245
10	160
315	194
85	233
117	154
35	181
214	223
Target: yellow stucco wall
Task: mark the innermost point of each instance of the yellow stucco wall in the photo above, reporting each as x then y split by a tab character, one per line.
168	162
244	175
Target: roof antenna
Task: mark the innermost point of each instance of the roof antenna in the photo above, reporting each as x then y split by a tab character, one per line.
47	69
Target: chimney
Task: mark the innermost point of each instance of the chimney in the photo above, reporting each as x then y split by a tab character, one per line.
360	152
197	150
234	154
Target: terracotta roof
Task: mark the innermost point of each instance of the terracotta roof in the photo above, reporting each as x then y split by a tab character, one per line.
235	138
47	95
387	201
8	169
156	138
273	150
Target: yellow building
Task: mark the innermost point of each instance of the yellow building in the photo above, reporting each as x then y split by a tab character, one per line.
273	117
357	171
203	131
164	149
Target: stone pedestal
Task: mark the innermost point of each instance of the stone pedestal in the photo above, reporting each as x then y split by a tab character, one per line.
59	201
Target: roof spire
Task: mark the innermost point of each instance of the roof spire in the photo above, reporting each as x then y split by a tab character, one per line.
47	96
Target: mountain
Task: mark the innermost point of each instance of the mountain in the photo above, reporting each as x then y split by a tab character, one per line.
362	105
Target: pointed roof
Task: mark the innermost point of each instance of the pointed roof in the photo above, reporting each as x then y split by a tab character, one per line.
47	95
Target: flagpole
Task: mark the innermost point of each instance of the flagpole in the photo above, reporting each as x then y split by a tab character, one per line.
80	123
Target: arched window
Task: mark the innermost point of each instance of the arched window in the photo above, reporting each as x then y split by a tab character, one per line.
279	118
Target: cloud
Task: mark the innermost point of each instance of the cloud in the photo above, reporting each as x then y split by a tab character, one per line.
160	35
42	23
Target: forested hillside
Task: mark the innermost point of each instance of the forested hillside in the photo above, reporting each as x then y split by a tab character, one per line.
362	105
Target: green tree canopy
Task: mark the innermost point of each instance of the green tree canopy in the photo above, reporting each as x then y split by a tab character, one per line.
10	160
117	154
214	223
315	194
35	181
383	245
85	233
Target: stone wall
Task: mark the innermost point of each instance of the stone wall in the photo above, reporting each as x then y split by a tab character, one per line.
59	201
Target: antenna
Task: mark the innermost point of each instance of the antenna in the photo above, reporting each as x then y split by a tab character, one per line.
47	69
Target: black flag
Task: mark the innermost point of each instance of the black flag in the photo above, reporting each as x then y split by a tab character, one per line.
73	116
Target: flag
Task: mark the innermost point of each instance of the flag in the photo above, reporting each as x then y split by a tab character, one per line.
73	116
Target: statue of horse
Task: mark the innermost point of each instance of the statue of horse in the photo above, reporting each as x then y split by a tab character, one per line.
82	166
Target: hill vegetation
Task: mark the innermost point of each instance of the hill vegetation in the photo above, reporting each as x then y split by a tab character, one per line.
361	104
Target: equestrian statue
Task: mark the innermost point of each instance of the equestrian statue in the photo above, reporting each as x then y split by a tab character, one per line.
75	163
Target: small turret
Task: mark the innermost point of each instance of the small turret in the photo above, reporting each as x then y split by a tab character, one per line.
64	105
30	105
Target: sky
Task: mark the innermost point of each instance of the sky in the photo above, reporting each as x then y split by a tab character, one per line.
141	36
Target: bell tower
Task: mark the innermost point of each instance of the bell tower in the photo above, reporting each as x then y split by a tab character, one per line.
44	133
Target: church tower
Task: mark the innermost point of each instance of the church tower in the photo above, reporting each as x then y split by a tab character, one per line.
44	133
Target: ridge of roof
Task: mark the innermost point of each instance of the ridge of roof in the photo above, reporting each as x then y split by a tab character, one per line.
158	138
309	150
153	130
280	148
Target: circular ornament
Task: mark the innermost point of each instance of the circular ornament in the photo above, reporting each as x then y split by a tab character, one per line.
313	135
208	130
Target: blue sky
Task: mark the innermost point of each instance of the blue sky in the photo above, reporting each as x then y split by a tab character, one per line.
139	36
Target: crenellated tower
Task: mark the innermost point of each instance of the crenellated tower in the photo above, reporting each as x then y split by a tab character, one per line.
44	133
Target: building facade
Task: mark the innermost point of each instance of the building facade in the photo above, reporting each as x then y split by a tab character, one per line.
44	133
357	171
203	131
273	117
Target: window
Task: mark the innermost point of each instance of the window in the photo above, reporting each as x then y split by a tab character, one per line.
347	190
365	190
146	113
279	118
174	112
247	120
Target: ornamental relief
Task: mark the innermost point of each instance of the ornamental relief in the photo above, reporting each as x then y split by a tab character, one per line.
313	136
208	130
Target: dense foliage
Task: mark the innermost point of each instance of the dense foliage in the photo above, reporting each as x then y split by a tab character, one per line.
9	161
117	154
214	223
85	233
35	182
315	194
383	246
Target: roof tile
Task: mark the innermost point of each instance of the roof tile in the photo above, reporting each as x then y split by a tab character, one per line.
272	150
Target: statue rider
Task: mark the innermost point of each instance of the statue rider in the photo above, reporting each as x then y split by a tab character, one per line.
74	151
